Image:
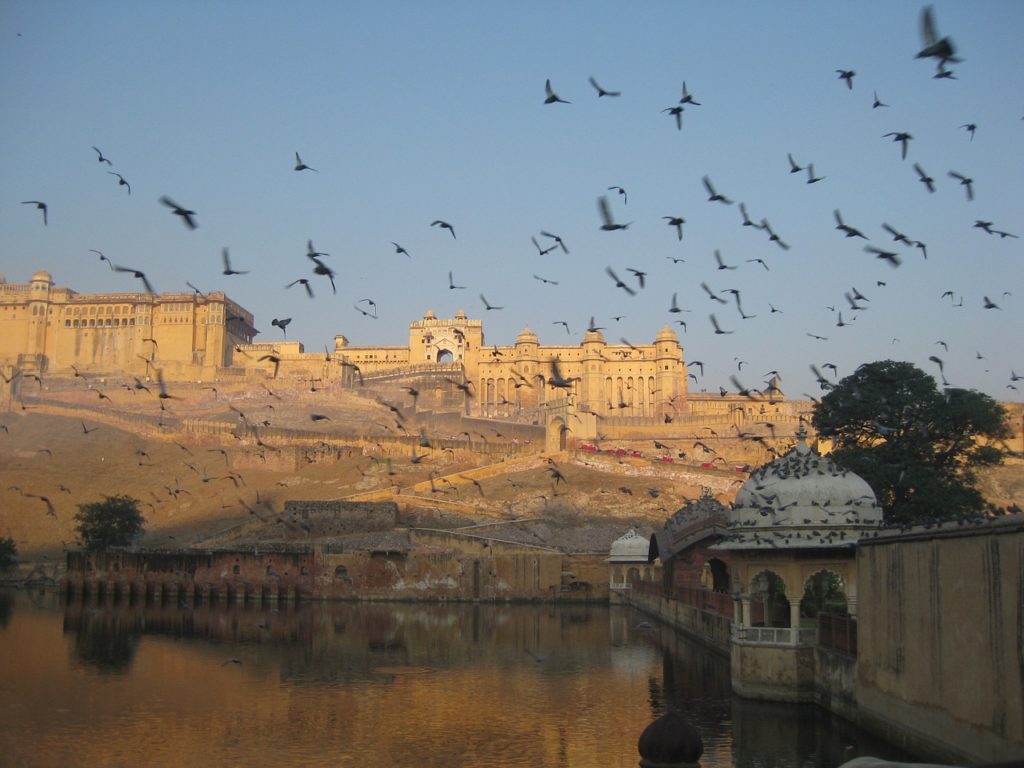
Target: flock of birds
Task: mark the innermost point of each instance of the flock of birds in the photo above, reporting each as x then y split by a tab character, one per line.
935	47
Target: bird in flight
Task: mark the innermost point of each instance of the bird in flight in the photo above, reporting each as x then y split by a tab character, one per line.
687	98
120	181
487	305
878	102
282	324
545	280
965	182
400	249
924	178
100	158
323	269
714	323
305	284
970	128
847	75
443	225
902	138
721	264
550	97
301	166
676	112
451	283
618	281
850	231
638	275
227	264
677	222
892	258
941	49
713	196
543	251
38	204
135	273
557	239
811	178
604	209
793	166
601	91
177	210
621	191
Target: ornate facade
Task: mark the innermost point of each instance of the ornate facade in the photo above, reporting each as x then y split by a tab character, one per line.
606	379
46	328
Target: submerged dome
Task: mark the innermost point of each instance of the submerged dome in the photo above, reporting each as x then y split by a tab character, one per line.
802	500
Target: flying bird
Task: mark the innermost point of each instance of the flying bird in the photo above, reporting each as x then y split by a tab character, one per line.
811	178
713	196
227	264
400	249
965	182
970	128
600	91
934	47
136	273
847	75
924	178
878	102
177	210
282	324
451	283
687	98
721	264
305	284
714	322
100	158
120	181
557	239
892	258
850	231
793	166
677	222
550	97
443	225
301	166
40	205
487	305
618	281
900	137
604	209
545	280
543	251
677	113
621	191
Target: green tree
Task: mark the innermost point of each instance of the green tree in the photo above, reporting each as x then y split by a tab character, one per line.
915	446
8	554
113	522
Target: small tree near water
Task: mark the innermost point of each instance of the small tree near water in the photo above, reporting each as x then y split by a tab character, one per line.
8	554
113	522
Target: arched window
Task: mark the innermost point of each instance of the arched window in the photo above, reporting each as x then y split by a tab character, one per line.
445	356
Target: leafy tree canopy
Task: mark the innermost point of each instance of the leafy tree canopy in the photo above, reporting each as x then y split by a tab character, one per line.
8	553
915	446
113	522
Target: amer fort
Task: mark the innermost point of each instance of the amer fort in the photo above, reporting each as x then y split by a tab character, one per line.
448	469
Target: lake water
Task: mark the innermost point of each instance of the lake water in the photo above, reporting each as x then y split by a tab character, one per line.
382	684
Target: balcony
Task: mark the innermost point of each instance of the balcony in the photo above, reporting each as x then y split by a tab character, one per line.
784	636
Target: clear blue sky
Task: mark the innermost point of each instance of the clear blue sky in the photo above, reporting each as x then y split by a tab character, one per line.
416	111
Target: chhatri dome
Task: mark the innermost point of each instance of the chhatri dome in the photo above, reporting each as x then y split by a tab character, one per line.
666	334
630	548
526	336
802	500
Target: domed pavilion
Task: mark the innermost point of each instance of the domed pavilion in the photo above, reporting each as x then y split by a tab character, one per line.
792	534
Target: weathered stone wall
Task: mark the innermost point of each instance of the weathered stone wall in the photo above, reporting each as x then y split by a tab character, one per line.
776	673
347	515
940	638
709	628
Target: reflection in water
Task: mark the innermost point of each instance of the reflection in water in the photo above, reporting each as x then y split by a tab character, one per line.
358	684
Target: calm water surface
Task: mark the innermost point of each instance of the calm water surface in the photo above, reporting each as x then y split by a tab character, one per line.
344	684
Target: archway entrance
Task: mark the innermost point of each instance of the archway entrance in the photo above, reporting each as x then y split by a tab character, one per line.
445	356
556	436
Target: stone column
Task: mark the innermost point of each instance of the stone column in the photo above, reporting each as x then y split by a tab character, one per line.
744	610
794	618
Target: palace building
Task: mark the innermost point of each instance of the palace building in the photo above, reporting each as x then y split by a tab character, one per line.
606	379
48	329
